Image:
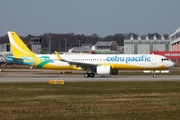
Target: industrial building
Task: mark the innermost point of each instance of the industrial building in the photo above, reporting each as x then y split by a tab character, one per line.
36	44
101	47
85	48
145	44
175	41
174	51
4	51
106	47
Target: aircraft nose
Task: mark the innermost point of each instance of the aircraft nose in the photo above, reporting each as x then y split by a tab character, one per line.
171	64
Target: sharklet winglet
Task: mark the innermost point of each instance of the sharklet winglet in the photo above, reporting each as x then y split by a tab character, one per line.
58	56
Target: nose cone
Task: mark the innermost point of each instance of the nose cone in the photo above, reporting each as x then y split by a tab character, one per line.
170	64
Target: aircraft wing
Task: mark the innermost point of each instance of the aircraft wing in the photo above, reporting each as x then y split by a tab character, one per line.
82	65
78	64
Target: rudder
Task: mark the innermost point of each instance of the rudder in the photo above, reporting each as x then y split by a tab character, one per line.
18	47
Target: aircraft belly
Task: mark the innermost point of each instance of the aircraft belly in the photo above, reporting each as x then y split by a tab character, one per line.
57	67
136	67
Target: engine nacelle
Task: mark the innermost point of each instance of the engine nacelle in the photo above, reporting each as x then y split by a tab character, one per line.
106	70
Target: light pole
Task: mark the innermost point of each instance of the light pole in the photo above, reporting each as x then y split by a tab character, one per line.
79	42
49	44
65	44
59	46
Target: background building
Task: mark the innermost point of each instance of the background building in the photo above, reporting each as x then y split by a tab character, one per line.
101	47
175	40
174	52
85	48
106	47
36	45
4	51
145	44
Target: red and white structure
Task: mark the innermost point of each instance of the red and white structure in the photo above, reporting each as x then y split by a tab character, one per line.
174	52
175	41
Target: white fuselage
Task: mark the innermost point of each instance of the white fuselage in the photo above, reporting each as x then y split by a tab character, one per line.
116	61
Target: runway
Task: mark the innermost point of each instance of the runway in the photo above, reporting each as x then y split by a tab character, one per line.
82	79
43	76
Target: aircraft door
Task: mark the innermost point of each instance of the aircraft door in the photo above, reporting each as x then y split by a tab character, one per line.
153	62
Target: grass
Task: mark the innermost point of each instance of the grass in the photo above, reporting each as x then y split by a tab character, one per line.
108	100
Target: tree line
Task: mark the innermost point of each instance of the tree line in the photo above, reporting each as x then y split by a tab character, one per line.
58	41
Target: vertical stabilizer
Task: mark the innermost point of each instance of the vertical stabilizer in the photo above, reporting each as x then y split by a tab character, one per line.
18	47
21	52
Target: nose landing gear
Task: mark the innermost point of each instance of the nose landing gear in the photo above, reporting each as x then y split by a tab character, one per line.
86	75
154	75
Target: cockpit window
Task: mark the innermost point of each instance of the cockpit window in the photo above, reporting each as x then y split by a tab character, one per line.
165	59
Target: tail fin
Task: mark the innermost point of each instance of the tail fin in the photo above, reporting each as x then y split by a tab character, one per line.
18	48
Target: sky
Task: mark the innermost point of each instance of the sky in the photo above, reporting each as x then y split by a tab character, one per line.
103	17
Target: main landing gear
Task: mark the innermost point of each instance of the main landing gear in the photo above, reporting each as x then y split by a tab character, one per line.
86	75
154	75
89	73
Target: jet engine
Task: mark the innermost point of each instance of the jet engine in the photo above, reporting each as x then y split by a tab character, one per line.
106	70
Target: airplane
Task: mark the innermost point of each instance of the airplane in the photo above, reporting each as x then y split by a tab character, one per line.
93	63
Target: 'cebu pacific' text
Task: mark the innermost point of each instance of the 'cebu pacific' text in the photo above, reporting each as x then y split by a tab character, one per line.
141	58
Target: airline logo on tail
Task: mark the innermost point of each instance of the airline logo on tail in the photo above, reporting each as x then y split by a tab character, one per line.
22	54
19	49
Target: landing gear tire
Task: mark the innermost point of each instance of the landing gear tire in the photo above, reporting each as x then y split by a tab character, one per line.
86	75
91	75
154	75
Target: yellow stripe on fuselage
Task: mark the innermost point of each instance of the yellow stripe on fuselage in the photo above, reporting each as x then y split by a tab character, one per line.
133	67
57	67
114	66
